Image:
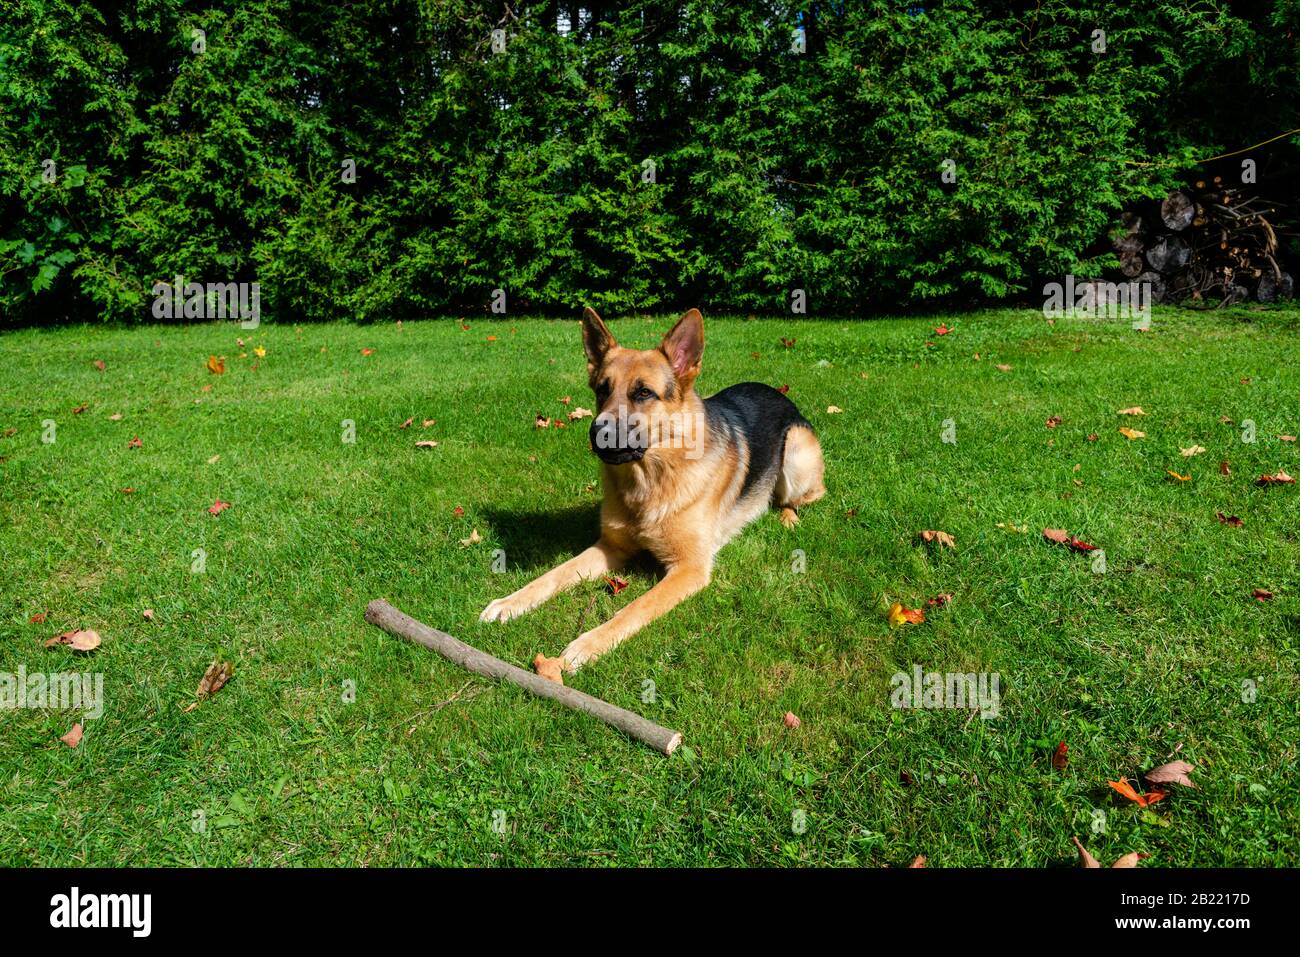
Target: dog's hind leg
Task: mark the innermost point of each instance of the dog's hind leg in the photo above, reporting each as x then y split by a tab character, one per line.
600	558
802	469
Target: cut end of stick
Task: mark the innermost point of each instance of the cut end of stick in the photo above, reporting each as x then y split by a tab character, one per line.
671	746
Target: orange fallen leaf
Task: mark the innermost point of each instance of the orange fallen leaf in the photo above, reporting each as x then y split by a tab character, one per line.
898	615
217	366
217	507
39	618
784	390
79	640
943	330
1092	437
407	423
1287	438
788	343
79	409
566	400
1281	478
1181	478
135	443
615	583
943	538
99	364
458	511
1131	434
1142	800
938	601
1135	410
367	351
73	737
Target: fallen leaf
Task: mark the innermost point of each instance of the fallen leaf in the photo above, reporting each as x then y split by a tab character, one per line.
1061	756
99	364
1225	468
129	490
942	330
898	615
135	443
1135	410
1225	419
833	409
426	444
1232	520
917	862
541	422
367	351
217	366
259	351
73	737
1131	433
217	507
81	640
213	680
791	720
788	343
1085	859
1287	438
1061	537
784	390
938	601
407	423
615	583
39	617
1281	478
1092	437
1013	527
1002	367
491	338
474	539
1262	594
551	669
79	409
115	417
1053	422
458	511
580	413
1130	860
148	614
1181	478
1142	800
1194	450
1175	772
943	538
566	400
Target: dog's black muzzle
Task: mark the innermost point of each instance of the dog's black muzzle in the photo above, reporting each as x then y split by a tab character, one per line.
613	444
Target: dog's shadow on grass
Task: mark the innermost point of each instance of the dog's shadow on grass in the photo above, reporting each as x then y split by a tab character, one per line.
539	540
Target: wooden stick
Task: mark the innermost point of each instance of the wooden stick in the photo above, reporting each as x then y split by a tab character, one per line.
381	613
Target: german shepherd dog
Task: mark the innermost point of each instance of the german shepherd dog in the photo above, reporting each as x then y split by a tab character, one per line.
681	475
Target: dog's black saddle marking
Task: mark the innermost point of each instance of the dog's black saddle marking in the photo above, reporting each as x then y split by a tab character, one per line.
759	417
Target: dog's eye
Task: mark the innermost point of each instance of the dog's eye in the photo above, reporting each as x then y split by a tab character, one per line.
643	395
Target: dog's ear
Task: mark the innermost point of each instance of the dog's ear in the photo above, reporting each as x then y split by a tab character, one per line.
596	339
684	347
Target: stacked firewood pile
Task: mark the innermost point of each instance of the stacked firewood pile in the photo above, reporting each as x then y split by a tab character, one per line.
1208	243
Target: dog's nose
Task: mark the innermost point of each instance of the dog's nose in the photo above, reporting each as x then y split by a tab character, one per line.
604	432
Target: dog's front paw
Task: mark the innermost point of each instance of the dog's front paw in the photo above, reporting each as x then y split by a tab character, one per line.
578	652
503	609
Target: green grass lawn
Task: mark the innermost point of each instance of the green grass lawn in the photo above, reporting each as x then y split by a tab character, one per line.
432	766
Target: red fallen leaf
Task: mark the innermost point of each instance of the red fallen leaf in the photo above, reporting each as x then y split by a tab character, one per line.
458	511
135	443
938	601
784	390
1053	422
1281	478
99	364
1142	800
791	720
558	424
1225	468
367	352
407	423
788	343
1061	537
942	330
39	617
1232	520
80	640
1175	772
1262	594
1085	859
918	862
1081	546
615	583
1061	756
73	737
217	507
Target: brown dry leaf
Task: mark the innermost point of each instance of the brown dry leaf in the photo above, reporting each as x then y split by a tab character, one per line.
566	400
943	538
135	443
1131	433
1225	468
1175	772
1092	436
1053	422
1131	860
427	422
407	423
938	601
474	539
1281	478
79	409
1085	859
541	422
1232	520
1225	419
81	640
1262	594
580	413
217	366
1003	368
115	417
148	614
833	409
551	669
1058	535
1135	410
1287	438
918	862
1193	450
426	444
213	680
99	364
791	720
73	737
